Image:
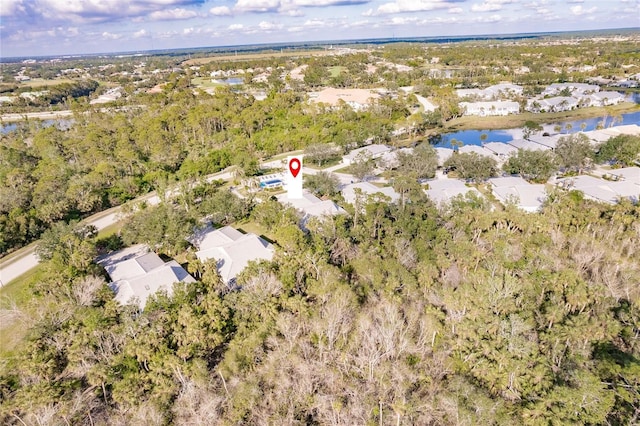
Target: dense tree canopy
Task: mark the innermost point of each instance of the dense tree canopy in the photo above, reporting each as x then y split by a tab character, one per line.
534	165
399	314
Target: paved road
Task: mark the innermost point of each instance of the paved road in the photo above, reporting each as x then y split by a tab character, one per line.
46	115
25	259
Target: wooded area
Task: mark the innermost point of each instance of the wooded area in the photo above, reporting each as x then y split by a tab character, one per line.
391	314
402	314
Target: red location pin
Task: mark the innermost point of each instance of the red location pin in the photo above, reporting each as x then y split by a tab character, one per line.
294	167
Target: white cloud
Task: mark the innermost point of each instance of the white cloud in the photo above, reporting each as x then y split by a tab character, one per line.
315	23
235	27
172	14
489	5
579	10
139	34
220	11
257	5
269	26
455	10
10	7
402	6
110	36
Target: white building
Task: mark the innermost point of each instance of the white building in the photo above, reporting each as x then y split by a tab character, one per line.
366	188
442	191
606	98
554	104
137	273
311	206
573	88
490	108
370	152
232	250
512	189
605	191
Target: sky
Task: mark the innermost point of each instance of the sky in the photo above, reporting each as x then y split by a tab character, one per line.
67	27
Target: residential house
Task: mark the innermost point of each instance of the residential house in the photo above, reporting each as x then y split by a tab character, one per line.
442	191
512	189
605	98
500	149
573	88
137	273
490	108
554	104
311	206
443	155
606	191
468	149
366	188
232	250
527	144
370	152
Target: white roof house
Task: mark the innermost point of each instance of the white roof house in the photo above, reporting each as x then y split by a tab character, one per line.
528	197
500	149
606	98
136	273
468	149
574	88
490	108
526	144
443	155
232	249
604	190
547	141
554	104
497	91
311	206
370	151
441	191
349	191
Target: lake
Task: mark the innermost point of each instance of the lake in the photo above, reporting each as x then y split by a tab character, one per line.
472	137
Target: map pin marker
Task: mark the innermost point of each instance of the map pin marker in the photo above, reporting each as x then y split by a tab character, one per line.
294	167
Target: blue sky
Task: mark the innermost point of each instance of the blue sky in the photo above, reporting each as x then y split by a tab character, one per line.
57	27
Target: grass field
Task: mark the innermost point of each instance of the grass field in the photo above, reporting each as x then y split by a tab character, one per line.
337	70
41	82
204	82
14	303
250	56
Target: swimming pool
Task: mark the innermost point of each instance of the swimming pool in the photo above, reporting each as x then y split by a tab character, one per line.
271	183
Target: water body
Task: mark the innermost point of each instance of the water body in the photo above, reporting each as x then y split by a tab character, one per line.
61	123
472	137
231	81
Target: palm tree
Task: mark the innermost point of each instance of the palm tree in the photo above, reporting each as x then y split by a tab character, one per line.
568	127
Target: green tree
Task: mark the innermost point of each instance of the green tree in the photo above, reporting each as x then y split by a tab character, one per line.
322	184
574	152
421	163
535	165
472	166
623	150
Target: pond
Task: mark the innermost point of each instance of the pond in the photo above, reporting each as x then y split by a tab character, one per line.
61	123
231	81
472	137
